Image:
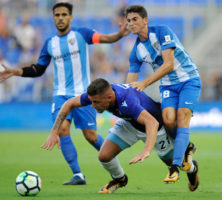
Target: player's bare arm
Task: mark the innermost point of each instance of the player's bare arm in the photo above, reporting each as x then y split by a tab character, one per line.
113	37
53	138
131	77
151	126
34	70
165	68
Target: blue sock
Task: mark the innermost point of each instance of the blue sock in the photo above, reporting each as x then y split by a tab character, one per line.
180	145
70	153
98	142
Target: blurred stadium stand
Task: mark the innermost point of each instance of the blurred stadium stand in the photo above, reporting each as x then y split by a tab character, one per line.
196	22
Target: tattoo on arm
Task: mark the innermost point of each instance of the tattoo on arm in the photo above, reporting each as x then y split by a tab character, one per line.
59	119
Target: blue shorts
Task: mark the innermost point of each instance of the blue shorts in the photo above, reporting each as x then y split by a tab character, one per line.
185	94
84	117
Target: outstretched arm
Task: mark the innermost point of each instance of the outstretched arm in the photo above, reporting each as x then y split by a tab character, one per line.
33	70
165	68
151	127
113	37
64	111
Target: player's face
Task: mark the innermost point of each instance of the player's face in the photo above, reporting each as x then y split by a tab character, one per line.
136	23
62	19
100	102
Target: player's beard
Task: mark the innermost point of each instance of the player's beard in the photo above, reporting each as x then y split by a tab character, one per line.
63	29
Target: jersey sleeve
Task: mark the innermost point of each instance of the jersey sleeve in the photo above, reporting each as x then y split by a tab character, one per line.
44	58
84	100
134	63
166	37
87	34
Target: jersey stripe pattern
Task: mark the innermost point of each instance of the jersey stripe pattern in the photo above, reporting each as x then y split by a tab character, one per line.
69	54
149	51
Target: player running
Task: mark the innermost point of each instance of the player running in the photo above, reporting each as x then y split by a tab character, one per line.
141	119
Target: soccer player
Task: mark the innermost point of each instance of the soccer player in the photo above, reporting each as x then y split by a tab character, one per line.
68	50
141	119
180	82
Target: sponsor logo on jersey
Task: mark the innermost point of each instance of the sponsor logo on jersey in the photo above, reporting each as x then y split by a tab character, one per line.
187	102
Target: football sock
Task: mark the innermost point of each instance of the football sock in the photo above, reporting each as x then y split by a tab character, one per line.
191	169
114	168
70	153
98	142
80	175
180	145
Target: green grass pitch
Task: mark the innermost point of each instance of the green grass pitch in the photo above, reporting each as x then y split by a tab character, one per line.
20	151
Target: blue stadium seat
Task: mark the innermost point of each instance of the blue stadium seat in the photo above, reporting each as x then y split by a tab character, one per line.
197	22
218	2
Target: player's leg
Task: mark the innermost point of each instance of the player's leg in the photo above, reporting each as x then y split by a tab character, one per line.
93	138
109	161
188	97
164	147
169	106
67	146
70	154
121	136
85	119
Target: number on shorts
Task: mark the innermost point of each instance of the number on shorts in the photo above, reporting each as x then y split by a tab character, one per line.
163	143
166	93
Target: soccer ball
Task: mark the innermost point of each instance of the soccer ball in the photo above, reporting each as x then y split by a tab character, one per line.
28	183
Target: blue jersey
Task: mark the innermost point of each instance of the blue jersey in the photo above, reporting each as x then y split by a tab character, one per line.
159	39
69	54
129	104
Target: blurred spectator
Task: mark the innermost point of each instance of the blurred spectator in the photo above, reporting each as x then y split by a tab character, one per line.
24	34
3	25
110	62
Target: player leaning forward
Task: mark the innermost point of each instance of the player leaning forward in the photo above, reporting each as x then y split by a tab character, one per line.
180	81
140	120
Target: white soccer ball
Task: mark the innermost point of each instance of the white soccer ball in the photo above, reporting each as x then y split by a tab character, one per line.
28	183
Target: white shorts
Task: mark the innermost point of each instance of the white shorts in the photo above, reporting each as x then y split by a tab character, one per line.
125	135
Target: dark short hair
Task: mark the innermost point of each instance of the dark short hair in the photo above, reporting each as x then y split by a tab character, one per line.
136	9
98	86
63	4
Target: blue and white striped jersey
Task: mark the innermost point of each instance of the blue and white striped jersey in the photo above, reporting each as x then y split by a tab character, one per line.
159	39
70	58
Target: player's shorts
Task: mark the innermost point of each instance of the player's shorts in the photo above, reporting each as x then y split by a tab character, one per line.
125	135
84	117
184	94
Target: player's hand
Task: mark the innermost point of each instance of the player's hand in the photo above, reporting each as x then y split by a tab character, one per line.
123	30
139	85
6	73
51	141
139	158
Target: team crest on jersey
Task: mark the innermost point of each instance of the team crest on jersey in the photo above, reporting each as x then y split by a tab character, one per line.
156	46
71	41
